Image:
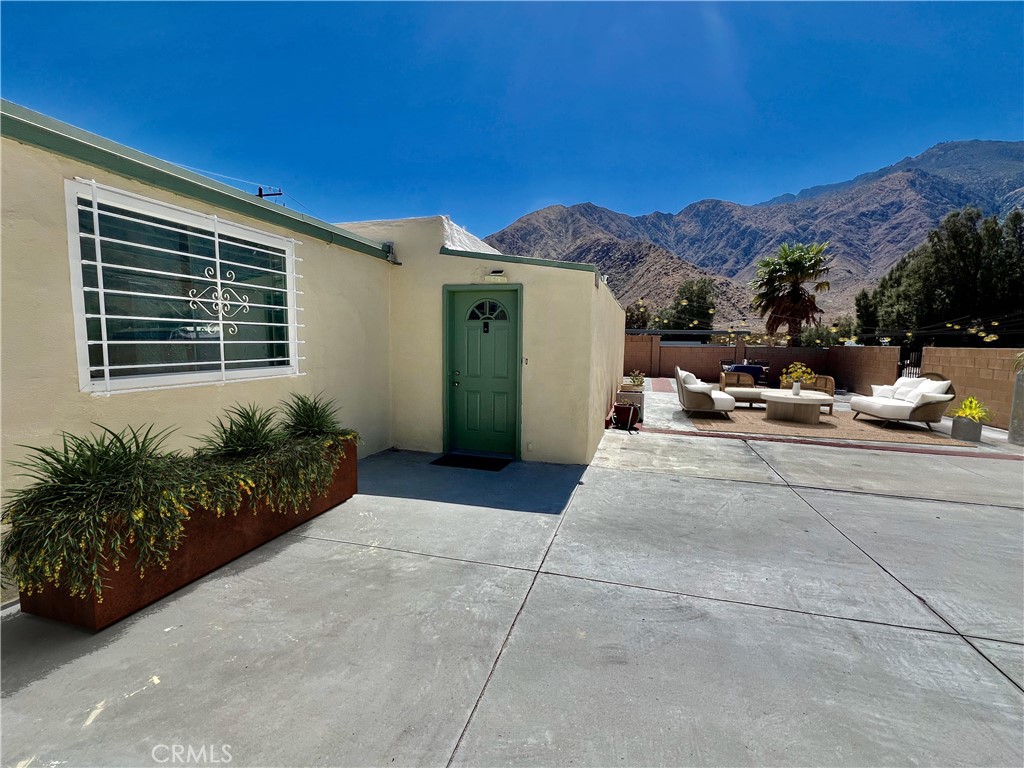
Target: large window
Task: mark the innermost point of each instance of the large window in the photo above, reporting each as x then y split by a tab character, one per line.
165	296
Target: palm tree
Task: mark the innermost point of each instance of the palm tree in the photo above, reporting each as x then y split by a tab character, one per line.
780	291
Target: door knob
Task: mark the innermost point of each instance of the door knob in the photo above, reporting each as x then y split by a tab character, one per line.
455	383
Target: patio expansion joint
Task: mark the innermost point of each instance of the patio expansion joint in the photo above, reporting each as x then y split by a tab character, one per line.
916	448
748	604
795	487
512	626
891	575
411	552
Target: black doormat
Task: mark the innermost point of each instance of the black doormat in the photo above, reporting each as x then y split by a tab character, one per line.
485	463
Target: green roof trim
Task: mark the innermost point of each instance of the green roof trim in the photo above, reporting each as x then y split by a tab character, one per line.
523	260
28	127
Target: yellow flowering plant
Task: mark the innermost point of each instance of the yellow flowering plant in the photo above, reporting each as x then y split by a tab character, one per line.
972	408
797	372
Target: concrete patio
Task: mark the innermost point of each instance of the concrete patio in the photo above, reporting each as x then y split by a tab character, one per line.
682	601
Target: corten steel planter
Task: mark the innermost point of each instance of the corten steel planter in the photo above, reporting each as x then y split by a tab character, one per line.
209	543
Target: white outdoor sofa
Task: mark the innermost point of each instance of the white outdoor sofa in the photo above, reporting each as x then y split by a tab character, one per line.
695	395
922	399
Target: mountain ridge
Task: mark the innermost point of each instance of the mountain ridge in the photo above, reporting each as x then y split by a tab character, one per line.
871	222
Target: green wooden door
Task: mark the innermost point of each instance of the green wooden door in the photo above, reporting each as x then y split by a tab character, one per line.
483	371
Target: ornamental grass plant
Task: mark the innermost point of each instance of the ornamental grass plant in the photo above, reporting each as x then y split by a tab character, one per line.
972	408
94	500
90	500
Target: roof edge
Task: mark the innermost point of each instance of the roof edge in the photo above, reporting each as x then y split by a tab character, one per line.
35	129
523	260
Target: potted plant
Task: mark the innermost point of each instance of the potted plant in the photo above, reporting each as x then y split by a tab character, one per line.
625	414
636	382
794	374
112	522
967	420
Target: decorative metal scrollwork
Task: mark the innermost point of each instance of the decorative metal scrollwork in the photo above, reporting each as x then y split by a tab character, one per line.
223	303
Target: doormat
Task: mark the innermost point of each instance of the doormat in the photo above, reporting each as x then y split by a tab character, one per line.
486	463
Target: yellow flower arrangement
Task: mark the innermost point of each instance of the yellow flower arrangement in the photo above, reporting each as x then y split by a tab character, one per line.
797	372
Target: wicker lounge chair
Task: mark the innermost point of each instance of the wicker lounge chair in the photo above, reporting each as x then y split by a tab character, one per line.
909	399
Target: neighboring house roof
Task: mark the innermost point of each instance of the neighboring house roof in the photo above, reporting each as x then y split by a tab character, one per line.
28	127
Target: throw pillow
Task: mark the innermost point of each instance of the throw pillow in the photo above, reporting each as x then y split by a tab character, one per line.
903	393
933	387
917	397
699	387
886	392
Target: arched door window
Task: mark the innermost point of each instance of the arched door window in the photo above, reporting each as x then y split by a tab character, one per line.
487	310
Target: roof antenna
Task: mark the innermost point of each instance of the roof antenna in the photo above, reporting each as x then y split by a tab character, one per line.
269	193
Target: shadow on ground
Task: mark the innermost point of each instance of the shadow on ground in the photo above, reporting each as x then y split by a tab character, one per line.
521	486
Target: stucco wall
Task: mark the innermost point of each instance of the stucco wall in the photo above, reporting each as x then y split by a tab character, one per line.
608	320
345	312
561	328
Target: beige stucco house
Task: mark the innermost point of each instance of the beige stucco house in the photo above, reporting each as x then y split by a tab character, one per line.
136	292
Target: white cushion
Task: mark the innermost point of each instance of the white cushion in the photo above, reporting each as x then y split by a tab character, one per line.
744	393
910	381
723	401
917	397
933	387
699	387
885	391
882	407
903	393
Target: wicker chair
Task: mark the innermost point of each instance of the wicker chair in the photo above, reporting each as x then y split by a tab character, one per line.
824	384
740	386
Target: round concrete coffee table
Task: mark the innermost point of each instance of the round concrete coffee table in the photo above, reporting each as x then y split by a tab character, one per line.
805	408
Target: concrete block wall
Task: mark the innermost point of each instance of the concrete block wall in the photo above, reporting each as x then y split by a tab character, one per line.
780	357
855	369
985	373
704	361
642	354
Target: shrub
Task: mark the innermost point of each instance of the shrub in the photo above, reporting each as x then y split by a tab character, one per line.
91	500
972	408
306	416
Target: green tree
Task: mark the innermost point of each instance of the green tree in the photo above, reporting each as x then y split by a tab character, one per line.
842	329
969	272
693	307
638	315
779	286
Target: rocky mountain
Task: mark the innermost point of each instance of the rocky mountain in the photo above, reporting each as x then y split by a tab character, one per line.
871	222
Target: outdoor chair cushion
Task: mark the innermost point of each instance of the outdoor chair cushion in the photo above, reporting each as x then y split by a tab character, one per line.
882	407
695	395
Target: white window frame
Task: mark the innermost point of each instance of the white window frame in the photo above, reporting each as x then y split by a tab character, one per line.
219	373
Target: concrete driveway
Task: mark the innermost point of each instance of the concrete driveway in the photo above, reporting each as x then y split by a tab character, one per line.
683	601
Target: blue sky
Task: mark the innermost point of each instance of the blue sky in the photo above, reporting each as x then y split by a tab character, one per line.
489	111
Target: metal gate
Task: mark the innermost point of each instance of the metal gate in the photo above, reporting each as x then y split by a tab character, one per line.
910	361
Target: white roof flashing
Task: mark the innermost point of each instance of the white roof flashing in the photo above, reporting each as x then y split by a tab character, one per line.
459	239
